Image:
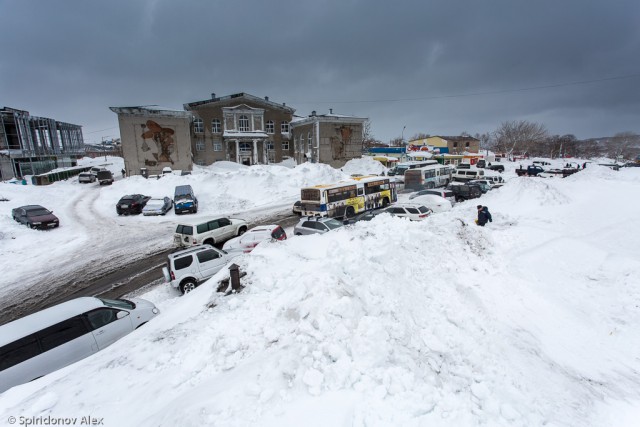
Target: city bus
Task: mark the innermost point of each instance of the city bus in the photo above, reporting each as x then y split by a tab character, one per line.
348	198
431	176
401	168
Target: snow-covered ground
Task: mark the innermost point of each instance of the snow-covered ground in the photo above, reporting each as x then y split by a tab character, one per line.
531	320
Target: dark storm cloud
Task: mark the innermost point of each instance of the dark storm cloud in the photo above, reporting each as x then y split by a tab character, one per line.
71	60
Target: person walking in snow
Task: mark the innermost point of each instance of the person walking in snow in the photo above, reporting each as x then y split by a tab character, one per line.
483	216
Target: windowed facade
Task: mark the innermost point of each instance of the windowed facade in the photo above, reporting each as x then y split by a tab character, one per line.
215	126
199	146
309	141
245	147
284	127
270	127
217	146
285	146
243	124
198	126
270	146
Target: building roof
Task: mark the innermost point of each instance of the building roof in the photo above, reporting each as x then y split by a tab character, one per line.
326	118
455	138
151	110
264	101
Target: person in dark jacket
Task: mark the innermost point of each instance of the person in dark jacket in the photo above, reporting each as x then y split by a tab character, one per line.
483	216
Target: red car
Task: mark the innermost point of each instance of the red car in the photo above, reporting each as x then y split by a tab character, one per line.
35	216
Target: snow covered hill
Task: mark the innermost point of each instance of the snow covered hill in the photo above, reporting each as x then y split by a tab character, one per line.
532	320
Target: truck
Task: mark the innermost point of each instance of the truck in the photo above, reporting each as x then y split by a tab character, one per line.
104	177
532	170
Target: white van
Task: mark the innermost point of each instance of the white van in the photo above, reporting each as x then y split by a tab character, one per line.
53	338
463	175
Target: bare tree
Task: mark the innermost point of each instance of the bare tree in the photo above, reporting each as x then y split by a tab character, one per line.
486	140
419	135
623	145
519	136
396	142
368	140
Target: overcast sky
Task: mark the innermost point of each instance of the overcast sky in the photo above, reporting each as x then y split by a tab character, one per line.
437	67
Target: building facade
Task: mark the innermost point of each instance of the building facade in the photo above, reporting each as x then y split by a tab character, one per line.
152	138
330	138
449	144
32	145
240	128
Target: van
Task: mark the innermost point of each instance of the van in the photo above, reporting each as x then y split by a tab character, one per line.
184	199
462	175
105	177
53	338
187	268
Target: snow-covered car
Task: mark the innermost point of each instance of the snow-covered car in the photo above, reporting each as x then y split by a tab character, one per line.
447	194
157	206
412	211
208	231
297	208
433	202
249	240
316	225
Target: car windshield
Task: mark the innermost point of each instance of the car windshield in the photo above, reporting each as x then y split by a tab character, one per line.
118	303
38	212
183	197
332	223
155	203
423	209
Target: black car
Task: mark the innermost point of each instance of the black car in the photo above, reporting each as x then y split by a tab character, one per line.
499	168
466	192
131	204
35	216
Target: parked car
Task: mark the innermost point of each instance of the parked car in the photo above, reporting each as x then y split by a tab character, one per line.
55	337
532	170
35	216
86	177
364	216
497	168
433	202
297	208
465	192
187	268
249	240
208	231
412	211
481	163
485	185
316	225
105	177
497	181
94	170
131	204
447	194
157	206
463	175
185	200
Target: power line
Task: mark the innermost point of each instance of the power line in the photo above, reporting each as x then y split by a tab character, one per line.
462	95
101	130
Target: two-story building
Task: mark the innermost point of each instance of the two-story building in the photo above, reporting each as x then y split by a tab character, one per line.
449	144
240	128
333	139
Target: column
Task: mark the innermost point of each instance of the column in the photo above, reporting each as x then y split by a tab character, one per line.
255	151
237	151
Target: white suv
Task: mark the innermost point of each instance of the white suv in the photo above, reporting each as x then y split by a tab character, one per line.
187	268
413	211
208	231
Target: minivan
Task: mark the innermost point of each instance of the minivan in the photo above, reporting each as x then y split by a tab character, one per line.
184	200
53	338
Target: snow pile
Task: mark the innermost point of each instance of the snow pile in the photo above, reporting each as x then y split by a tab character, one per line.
363	166
531	320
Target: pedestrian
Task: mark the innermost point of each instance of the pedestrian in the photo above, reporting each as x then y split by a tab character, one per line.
124	173
483	216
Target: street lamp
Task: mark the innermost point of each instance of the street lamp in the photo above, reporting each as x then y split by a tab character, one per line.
402	134
104	148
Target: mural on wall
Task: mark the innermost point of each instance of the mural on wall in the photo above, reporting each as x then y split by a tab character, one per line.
163	138
339	143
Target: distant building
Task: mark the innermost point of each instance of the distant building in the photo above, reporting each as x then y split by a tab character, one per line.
32	145
152	138
328	138
448	144
240	128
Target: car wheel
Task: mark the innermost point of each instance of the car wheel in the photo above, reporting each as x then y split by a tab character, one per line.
385	202
431	186
242	230
350	212
209	242
298	234
187	286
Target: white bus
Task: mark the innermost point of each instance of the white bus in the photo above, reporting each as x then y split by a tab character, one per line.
431	176
348	198
401	168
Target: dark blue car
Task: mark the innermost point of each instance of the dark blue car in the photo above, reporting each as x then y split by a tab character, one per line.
184	200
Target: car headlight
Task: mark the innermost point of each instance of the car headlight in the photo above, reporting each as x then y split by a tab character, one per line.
155	310
36	223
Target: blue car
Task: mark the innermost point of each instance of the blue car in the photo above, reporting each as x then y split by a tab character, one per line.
185	200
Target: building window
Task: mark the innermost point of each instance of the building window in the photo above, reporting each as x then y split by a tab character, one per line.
215	126
270	146
284	127
466	144
455	145
270	127
198	126
310	141
217	146
245	147
200	163
199	146
285	146
243	124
